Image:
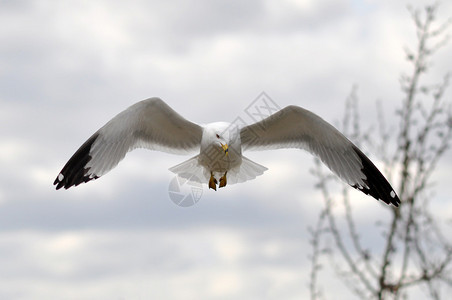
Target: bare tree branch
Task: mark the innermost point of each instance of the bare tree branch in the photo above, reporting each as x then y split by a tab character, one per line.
416	252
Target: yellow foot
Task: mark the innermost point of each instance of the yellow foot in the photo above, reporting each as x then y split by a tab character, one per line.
223	180
212	182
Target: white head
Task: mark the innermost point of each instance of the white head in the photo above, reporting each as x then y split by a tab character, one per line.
220	135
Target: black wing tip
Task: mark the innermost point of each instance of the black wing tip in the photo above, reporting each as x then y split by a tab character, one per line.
377	185
75	171
66	184
391	199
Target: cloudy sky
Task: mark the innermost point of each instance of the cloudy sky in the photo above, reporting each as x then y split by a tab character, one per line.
67	67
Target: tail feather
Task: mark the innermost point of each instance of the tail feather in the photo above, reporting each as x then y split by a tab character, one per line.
193	171
247	170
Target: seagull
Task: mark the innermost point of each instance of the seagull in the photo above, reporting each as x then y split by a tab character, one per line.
152	124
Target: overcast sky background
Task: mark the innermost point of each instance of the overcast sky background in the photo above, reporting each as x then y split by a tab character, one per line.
67	67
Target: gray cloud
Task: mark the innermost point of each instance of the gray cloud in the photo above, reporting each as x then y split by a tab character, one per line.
67	68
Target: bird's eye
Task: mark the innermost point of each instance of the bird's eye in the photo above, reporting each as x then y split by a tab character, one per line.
217	136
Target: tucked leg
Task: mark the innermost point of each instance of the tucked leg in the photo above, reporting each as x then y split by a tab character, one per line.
223	180
213	182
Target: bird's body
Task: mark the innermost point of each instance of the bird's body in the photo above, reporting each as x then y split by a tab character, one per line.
154	125
212	155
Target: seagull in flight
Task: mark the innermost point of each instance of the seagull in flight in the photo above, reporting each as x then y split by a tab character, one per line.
152	124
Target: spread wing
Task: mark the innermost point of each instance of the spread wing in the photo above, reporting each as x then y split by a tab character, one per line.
295	127
150	124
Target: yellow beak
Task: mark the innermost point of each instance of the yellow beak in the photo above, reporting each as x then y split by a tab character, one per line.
225	148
